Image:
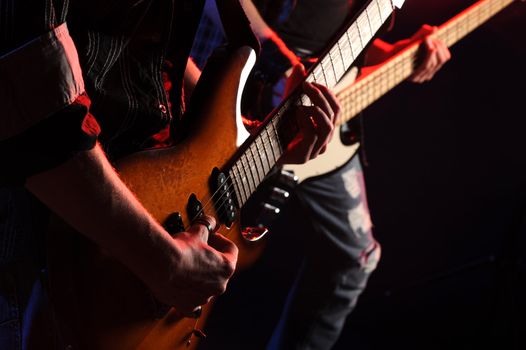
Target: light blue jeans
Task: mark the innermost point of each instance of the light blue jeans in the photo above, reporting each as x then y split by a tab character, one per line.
340	255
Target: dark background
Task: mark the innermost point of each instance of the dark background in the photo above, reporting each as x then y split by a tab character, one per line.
446	180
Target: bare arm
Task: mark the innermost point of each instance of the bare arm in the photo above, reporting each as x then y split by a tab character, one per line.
191	76
88	194
264	32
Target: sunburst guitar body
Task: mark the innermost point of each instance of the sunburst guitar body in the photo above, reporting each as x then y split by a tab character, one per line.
100	303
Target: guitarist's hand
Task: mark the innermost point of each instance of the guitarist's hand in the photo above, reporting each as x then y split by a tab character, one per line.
315	122
436	54
199	269
184	271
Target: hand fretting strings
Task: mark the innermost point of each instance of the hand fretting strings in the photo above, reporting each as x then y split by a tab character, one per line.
450	32
328	71
373	86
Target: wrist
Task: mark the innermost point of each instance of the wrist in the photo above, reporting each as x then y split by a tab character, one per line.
154	261
282	48
274	60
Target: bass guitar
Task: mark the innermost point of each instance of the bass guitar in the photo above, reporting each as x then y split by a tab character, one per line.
214	170
355	96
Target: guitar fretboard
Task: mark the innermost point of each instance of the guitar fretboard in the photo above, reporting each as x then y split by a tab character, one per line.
261	152
370	88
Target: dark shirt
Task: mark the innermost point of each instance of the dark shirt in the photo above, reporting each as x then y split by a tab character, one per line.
312	23
122	47
122	51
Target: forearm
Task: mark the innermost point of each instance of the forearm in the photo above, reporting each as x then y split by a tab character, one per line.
191	76
88	194
264	32
257	23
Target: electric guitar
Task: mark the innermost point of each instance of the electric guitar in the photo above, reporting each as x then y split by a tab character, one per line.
357	96
214	170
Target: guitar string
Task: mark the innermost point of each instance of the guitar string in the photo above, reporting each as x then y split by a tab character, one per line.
393	75
354	103
250	166
252	161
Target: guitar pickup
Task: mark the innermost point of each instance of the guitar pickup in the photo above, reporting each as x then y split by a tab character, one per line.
223	197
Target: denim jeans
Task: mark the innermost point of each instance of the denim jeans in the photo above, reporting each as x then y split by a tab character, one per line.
340	255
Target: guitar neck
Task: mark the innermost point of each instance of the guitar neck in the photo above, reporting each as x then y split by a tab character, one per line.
260	153
371	87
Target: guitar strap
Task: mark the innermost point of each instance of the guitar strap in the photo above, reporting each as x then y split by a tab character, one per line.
236	25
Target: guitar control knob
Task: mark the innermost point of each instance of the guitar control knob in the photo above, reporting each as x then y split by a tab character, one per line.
279	195
269	209
198	311
174	223
288	178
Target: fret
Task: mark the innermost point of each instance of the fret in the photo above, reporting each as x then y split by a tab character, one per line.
386	8
269	138
379	11
249	174
259	170
252	166
342	57
243	192
337	63
349	41
355	39
345	48
237	192
251	157
324	72
374	16
326	67
276	144
245	179
362	45
263	154
368	20
365	27
319	77
237	189
333	68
